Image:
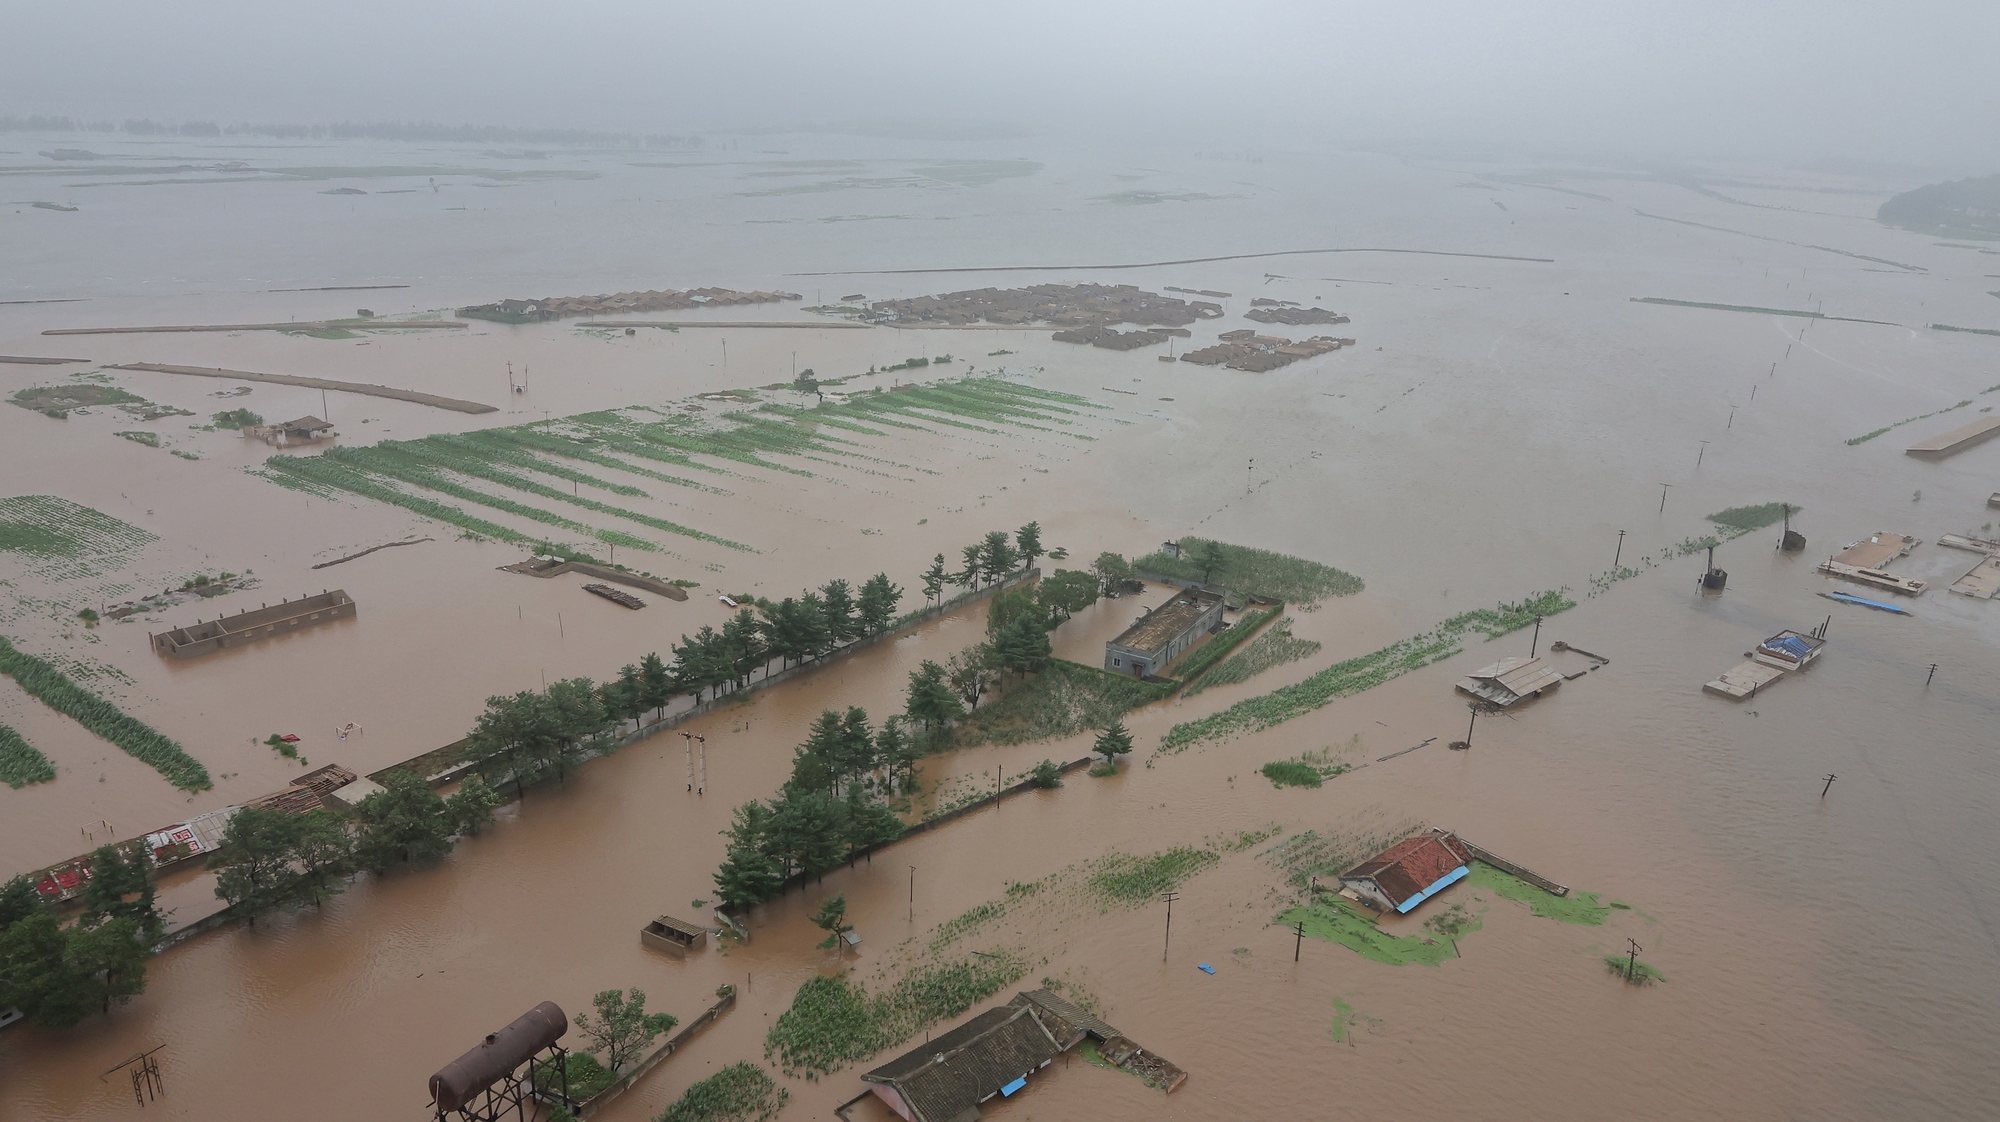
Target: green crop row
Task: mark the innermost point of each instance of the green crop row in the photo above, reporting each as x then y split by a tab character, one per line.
833	1021
1253	572
47	526
1120	878
21	763
1217	648
54	689
1363	672
740	1092
1273	648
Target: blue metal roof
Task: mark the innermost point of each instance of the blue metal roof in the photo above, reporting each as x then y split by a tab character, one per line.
1440	885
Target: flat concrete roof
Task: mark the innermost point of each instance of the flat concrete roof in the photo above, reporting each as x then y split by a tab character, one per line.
1151	635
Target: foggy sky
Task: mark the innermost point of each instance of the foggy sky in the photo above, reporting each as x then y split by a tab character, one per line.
1708	79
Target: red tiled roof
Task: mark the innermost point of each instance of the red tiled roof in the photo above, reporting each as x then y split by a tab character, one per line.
1407	868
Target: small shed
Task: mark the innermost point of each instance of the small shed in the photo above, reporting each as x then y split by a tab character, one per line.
1789	650
674	936
307	427
1410	872
1511	681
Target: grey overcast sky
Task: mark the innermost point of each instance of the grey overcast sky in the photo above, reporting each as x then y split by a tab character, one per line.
1911	81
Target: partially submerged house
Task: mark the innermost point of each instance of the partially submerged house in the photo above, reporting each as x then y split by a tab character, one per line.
1410	872
1146	648
1511	681
995	1053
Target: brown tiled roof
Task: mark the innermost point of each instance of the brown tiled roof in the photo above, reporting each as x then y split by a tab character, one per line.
1068	1023
1407	868
946	1078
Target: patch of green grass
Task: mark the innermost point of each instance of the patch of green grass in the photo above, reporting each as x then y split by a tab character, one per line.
141	436
1255	572
1273	648
1343	1016
965	922
587	1075
56	536
1217	648
740	1092
1751	517
1337	921
21	763
53	688
1062	700
1291	773
1352	676
834	1021
1585	908
1639	973
1868	436
1120	878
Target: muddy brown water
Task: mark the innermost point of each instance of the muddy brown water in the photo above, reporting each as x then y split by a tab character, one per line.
1825	958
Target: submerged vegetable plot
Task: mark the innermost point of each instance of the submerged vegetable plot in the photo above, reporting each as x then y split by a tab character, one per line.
21	763
54	688
58	536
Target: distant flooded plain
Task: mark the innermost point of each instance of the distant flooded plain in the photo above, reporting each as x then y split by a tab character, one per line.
1497	427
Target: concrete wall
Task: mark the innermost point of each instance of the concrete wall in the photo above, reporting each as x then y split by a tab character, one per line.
254	625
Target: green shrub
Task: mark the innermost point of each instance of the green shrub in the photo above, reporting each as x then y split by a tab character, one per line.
1046	774
740	1092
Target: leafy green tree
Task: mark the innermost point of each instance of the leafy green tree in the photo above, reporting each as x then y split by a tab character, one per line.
403	823
1009	604
934	578
578	718
622	1029
743	645
518	730
837	605
807	385
869	823
656	684
815	763
1046	774
1111	570
37	974
1112	743
107	961
808	833
877	604
997	557
813	624
970	673
121	887
18	901
324	852
1066	592
470	808
832	919
898	754
253	867
1028	543
1022	646
968	577
929	700
1209	558
630	696
750	874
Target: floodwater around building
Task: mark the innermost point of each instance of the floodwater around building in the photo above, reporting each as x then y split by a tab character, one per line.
1498	424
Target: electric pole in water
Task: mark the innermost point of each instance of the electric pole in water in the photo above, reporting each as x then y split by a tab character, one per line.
1298	928
1698	456
913	894
1663	497
1830	777
1632	960
1620	552
1535	642
1929	676
687	747
1169	897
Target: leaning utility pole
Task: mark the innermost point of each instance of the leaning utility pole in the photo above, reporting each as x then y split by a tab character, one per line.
1632	960
1830	777
1300	929
1169	897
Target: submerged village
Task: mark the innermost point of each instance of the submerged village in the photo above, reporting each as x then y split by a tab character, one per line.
968	699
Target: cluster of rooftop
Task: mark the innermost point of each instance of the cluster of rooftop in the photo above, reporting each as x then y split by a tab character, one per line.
1064	305
652	300
1244	349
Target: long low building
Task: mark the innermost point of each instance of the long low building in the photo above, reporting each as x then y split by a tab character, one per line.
1410	872
1146	648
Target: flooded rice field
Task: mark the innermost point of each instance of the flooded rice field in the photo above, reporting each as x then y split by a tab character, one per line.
1500	427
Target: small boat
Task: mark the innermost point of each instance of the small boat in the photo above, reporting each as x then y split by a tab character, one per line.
1845	598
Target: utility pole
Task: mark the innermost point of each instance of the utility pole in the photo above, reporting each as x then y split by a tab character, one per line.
1732	418
687	747
1300	929
1470	721
913	894
1632	960
1169	897
1536	641
1699	456
701	777
1621	550
1929	676
1830	777
1663	497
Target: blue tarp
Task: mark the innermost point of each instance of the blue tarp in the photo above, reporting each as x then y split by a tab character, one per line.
1442	883
1791	645
1016	1085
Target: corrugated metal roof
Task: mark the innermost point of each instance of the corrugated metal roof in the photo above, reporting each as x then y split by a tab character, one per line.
947	1077
1515	678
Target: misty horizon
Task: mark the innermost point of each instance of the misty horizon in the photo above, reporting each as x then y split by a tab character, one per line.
1698	82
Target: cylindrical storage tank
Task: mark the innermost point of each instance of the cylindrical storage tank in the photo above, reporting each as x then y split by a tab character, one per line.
457	1082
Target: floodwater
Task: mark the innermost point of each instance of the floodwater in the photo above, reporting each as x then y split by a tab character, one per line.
1498	425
